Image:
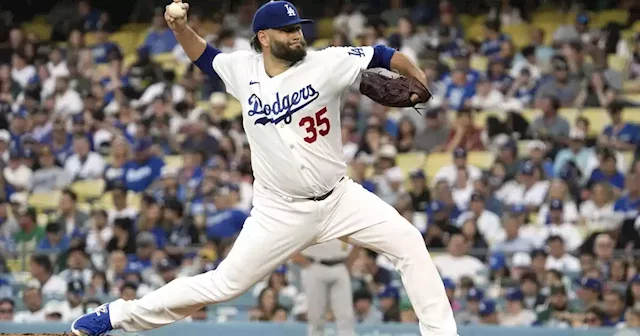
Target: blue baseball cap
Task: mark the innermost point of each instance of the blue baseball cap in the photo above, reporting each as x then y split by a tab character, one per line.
282	269
142	144
448	283
527	168
592	284
213	163
389	292
514	294
635	279
487	307
459	153
497	261
276	14
475	294
556	204
518	209
417	173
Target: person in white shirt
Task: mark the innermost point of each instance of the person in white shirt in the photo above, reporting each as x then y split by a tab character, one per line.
597	213
558	227
488	223
5	140
558	258
487	97
51	285
72	307
510	240
121	208
527	189
228	42
34	313
558	190
68	101
529	62
84	164
21	71
456	263
515	313
449	173
16	173
350	21
462	190
57	65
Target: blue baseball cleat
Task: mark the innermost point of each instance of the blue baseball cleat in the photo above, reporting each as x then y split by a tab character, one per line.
94	323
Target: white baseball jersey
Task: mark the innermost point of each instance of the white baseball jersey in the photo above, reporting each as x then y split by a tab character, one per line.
292	120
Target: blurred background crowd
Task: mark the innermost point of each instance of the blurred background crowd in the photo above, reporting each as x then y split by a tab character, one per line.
124	167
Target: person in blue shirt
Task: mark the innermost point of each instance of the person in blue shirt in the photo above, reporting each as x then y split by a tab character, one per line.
607	172
160	38
492	43
497	74
629	203
59	140
141	172
104	49
459	91
55	239
462	61
145	245
18	128
227	221
620	135
182	230
524	88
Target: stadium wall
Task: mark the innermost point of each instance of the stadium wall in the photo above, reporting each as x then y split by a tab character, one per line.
296	329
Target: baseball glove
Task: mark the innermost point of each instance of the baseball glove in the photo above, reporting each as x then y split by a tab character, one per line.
393	92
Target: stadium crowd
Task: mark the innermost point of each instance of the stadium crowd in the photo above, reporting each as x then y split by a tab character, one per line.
120	173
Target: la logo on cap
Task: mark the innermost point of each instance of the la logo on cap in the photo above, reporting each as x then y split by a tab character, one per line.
290	11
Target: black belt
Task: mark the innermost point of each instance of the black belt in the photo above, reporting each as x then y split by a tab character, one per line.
332	262
324	197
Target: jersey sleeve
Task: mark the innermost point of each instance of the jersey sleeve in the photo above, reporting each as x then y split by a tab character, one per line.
346	63
233	68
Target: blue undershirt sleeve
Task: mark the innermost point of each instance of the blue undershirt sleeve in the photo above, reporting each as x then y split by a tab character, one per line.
205	61
381	57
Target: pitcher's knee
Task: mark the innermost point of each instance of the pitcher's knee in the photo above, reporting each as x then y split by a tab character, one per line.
412	244
225	286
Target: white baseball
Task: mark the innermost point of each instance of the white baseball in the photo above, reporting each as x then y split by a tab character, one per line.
175	10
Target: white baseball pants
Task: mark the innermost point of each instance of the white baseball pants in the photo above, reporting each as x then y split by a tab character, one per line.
279	228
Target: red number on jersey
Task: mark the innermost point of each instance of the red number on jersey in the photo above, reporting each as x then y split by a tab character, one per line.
319	125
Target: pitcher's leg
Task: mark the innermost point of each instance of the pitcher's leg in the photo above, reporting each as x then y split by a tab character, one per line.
315	289
259	248
341	298
370	222
402	243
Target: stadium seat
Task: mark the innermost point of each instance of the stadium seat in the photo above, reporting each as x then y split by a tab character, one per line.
135	27
86	207
325	28
126	40
601	18
547	16
435	161
482	160
635	97
548	27
570	113
631	114
520	34
531	114
475	32
46	201
41	30
410	161
106	201
618	63
233	110
479	63
88	190
42	219
174	161
321	43
480	118
598	119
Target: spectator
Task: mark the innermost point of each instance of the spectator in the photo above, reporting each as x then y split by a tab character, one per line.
16	172
365	311
433	138
614	307
99	232
267	305
530	287
55	239
32	299
459	90
594	317
78	266
67	100
527	189
41	270
557	311
160	39
145	169
488	223
183	232
590	292
493	39
516	314
389	304
488	313
607	172
449	172
440	225
512	239
577	152
420	194
114	170
21	71
487	96
30	232
558	258
7	310
227	221
470	315
128	291
461	191
123	236
49	176
558	190
498	75
620	135
84	164
598	213
443	197
456	263
121	208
